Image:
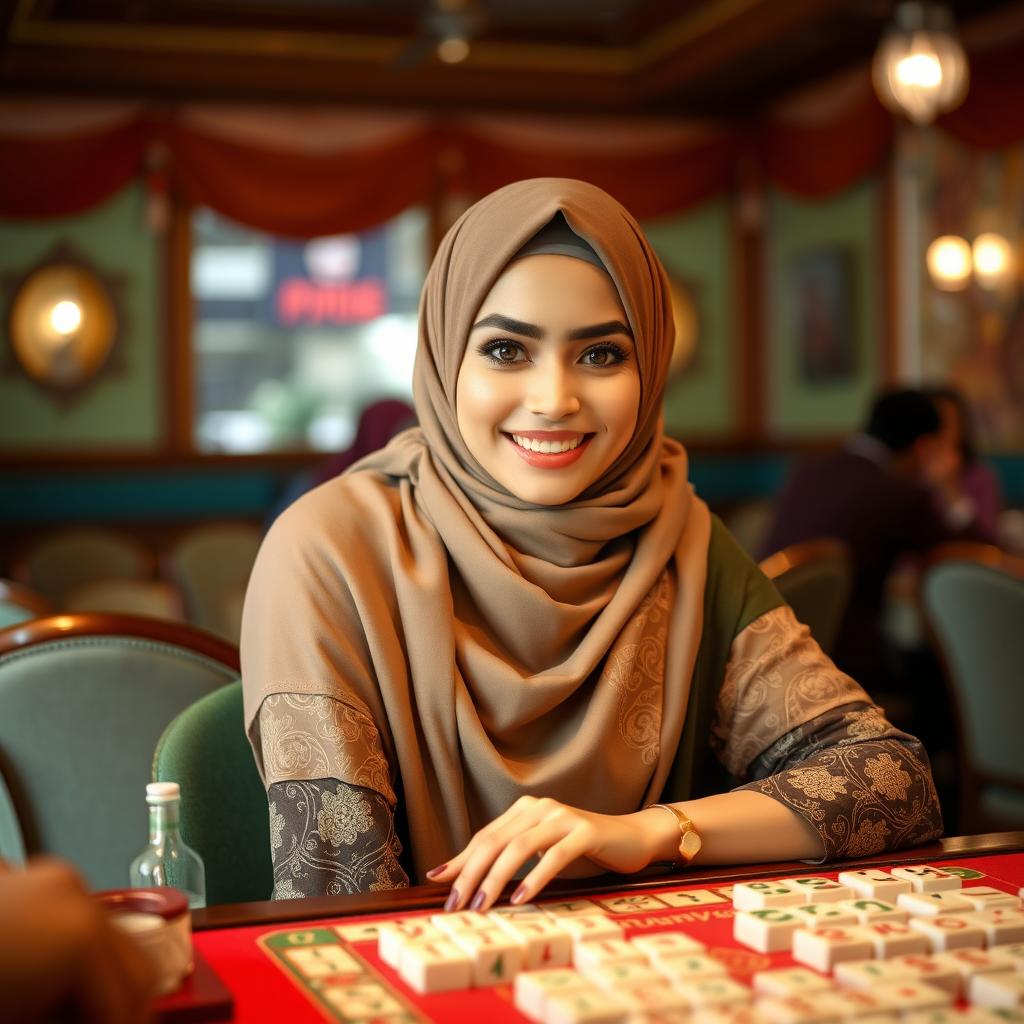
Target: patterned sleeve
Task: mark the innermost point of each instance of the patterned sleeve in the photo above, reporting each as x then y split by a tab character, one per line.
810	738
332	802
328	838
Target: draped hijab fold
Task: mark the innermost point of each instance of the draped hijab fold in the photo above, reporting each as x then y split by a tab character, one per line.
500	648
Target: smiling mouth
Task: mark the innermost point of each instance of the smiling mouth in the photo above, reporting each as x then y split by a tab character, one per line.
548	445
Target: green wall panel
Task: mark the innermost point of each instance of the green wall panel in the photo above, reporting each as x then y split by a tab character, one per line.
121	408
798	406
700	401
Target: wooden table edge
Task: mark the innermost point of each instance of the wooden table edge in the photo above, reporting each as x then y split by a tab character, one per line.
425	897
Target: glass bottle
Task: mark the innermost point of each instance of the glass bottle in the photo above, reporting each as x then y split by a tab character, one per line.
168	859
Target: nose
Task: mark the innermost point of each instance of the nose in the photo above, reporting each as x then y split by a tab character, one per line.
552	393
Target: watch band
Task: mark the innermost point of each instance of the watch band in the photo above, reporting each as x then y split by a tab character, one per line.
689	837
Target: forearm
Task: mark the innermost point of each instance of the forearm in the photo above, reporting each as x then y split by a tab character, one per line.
328	838
735	828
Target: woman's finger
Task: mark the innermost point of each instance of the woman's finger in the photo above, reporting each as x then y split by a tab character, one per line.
487	847
518	851
552	864
449	870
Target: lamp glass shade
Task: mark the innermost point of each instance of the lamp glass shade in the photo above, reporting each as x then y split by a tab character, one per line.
920	69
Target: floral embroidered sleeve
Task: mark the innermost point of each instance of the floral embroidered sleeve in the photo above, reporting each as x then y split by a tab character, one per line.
810	737
331	798
329	838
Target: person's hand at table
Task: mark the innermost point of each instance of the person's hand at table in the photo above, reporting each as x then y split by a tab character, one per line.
60	958
567	841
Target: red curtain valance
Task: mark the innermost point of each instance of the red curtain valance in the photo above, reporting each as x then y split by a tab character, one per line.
295	188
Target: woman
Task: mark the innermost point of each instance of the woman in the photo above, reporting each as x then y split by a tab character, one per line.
516	628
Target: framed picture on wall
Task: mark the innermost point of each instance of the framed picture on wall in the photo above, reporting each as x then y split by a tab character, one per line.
823	286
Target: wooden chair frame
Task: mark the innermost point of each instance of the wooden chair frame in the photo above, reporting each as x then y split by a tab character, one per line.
59	627
800	554
25	597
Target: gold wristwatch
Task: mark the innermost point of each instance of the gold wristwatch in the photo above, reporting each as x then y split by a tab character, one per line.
689	837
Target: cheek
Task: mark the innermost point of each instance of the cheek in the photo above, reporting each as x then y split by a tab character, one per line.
477	403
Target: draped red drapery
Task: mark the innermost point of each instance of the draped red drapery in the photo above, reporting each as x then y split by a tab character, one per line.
302	191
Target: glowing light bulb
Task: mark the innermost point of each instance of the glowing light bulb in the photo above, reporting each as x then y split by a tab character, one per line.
993	260
949	262
920	69
66	317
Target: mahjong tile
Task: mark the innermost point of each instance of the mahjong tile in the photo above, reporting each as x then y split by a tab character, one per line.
872	883
931	970
497	957
1001	990
436	967
925	878
910	996
950	931
583	1007
362	1001
595	953
571	908
968	962
462	921
822	915
767	931
689	966
713	992
793	1010
922	904
985	897
819	890
1002	926
869	911
532	988
762	895
1013	955
662	998
893	938
393	936
790	981
823	948
611	975
545	943
850	1003
869	974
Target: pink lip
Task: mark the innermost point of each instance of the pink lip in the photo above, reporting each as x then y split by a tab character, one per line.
552	460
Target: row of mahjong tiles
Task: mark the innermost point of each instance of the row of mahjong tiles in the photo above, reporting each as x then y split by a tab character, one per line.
895	950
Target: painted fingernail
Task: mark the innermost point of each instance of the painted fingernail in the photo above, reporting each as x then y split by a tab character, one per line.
434	872
519	895
453	900
478	900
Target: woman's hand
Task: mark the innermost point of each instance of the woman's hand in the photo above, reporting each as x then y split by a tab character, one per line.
560	836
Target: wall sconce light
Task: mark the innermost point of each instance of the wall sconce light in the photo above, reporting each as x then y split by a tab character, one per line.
951	260
920	69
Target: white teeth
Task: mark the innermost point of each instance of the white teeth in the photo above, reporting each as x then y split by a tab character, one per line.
547	447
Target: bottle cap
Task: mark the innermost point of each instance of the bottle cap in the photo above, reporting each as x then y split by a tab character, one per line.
162	792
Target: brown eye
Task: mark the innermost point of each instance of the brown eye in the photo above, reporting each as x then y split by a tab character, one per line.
504	352
604	355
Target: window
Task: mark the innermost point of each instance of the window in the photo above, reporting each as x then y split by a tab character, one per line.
293	338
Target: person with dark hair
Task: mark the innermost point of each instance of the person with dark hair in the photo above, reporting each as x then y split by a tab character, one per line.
884	494
971	480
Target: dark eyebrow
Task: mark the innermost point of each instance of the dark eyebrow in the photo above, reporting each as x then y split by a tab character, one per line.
506	323
599	330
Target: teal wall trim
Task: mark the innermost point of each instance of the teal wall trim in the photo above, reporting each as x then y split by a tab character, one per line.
29	499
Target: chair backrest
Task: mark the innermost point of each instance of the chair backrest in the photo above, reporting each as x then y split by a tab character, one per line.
211	564
65	559
223	804
976	616
814	577
158	599
19	604
83	701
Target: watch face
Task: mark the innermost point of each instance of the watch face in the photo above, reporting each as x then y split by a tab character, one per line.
689	847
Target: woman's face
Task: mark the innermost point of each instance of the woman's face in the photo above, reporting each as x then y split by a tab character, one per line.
549	390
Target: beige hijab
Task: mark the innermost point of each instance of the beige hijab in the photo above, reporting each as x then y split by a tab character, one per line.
501	648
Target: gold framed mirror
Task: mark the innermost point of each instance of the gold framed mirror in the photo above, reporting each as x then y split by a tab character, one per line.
63	323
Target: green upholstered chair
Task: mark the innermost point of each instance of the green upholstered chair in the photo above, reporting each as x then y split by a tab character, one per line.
223	803
19	604
975	614
83	701
814	577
